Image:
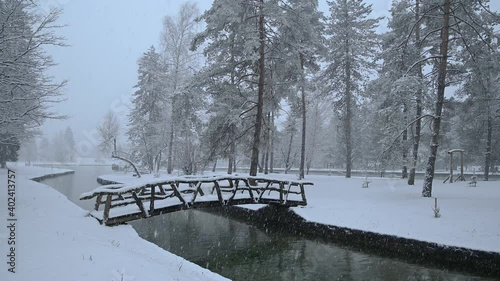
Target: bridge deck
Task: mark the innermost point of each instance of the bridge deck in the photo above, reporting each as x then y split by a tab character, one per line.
125	203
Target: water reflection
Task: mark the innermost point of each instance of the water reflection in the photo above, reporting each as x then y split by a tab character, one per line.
243	252
73	185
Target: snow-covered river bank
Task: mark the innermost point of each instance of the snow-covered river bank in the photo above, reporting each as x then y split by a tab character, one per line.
56	240
238	250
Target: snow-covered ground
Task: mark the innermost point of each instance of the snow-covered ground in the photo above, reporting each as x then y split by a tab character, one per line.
56	240
470	216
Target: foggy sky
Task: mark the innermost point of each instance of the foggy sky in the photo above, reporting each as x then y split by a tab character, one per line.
106	39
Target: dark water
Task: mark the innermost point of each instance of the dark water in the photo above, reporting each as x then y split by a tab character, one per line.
243	252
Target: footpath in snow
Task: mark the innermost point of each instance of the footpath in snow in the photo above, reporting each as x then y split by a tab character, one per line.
56	240
470	216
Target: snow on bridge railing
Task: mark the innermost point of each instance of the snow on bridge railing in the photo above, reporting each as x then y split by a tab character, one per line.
158	196
118	189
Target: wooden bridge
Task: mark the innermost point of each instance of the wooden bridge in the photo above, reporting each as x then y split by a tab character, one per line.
127	202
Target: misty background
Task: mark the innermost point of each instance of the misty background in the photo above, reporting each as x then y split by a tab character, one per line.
105	41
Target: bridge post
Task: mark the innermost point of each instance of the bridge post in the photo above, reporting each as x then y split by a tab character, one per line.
98	202
107	207
303	193
139	204
282	188
152	199
219	194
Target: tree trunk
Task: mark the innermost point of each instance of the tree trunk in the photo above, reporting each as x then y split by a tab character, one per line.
347	121
271	149
418	124
265	141
303	143
436	126
288	165
268	140
232	157
487	160
254	162
404	170
170	149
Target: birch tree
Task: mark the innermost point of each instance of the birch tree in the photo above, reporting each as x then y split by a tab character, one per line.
176	37
108	132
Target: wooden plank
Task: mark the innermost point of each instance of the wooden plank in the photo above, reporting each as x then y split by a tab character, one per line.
219	194
287	191
175	186
162	190
107	207
303	194
250	191
98	202
198	187
282	188
140	205
197	190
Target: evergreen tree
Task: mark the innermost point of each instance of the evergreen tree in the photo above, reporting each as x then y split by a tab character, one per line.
147	128
69	144
444	20
229	77
352	46
481	55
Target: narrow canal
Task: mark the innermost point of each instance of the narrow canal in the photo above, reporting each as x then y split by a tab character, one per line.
243	252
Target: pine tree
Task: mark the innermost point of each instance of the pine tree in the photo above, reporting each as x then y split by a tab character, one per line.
400	86
352	45
299	42
69	144
448	19
481	55
230	76
147	127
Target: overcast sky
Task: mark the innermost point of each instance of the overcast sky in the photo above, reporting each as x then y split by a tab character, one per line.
106	38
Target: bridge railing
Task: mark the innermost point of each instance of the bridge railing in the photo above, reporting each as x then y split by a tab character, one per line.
126	202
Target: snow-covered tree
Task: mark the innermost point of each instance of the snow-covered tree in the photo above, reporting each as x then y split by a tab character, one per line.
69	144
148	132
298	43
9	149
445	20
400	86
481	55
108	132
352	45
231	44
176	37
26	91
